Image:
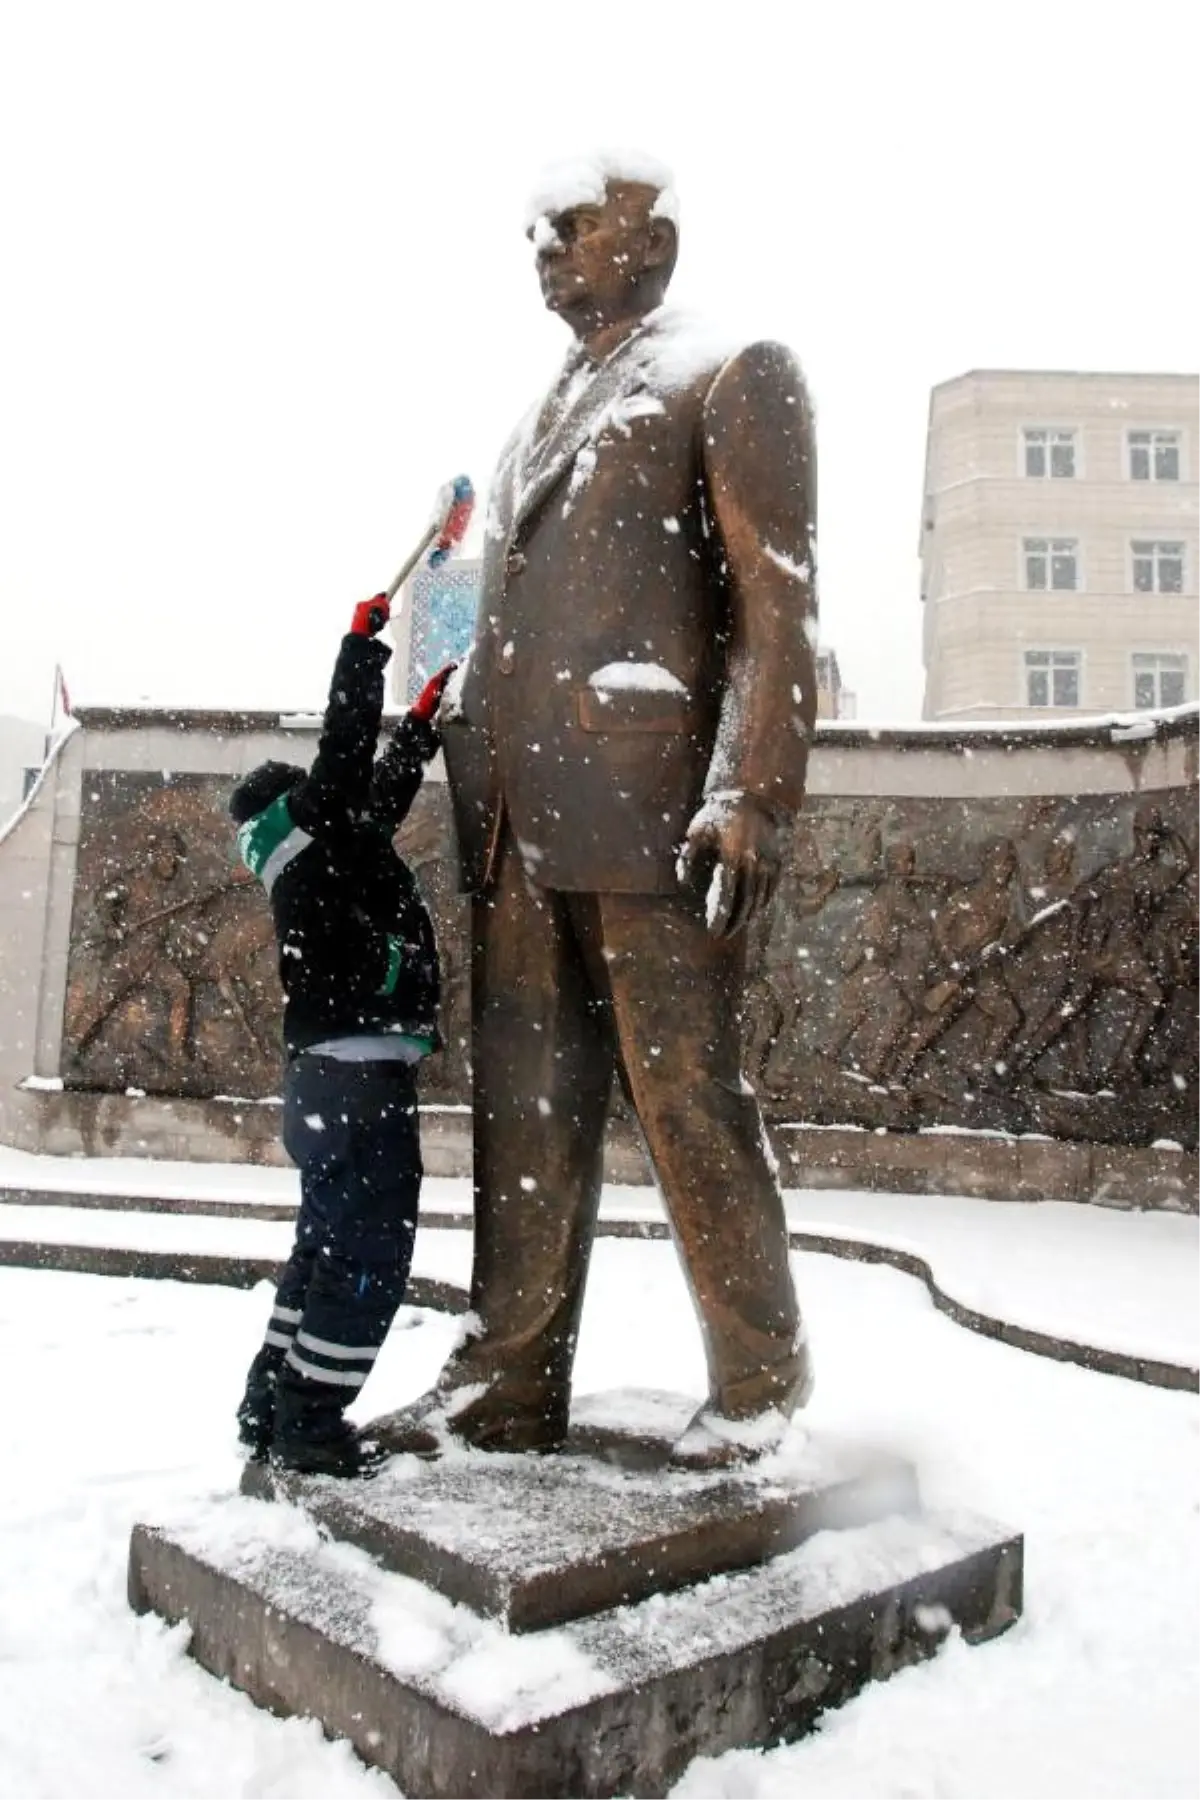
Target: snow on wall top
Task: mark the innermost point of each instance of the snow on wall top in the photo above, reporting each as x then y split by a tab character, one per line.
582	180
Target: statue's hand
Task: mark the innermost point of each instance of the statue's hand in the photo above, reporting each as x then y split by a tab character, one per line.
733	853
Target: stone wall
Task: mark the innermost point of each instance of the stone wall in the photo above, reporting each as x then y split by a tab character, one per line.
1011	963
980	933
171	976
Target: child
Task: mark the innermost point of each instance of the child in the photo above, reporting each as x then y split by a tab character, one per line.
358	964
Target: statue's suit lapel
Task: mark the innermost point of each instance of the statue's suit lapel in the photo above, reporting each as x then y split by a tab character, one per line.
542	464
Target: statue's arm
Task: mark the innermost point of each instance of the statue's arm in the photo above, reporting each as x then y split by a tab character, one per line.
761	480
760	488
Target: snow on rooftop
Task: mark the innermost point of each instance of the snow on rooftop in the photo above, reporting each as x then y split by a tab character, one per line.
1122	727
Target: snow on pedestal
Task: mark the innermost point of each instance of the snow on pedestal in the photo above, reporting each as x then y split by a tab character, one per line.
614	1687
452	1705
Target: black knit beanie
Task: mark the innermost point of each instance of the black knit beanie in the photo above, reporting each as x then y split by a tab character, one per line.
257	790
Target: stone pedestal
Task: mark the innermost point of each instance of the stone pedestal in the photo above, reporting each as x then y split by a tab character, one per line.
582	1624
536	1541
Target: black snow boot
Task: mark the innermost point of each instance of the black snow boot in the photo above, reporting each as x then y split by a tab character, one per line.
311	1436
256	1414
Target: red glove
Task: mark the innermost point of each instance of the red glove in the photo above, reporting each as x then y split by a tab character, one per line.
370	616
430	696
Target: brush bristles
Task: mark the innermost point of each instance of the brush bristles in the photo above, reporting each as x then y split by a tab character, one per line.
458	517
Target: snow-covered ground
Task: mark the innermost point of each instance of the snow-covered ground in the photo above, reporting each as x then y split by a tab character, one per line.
119	1396
1116	1280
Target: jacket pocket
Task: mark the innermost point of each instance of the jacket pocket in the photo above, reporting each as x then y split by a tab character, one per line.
633	709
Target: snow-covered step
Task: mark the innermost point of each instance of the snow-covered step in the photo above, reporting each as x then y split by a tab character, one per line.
231	1251
1112	1289
225	1190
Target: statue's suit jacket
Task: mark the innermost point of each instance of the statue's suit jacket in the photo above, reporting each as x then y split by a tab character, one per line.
662	517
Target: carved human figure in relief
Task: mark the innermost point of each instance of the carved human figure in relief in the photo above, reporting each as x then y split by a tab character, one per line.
126	946
1113	915
884	964
775	999
974	929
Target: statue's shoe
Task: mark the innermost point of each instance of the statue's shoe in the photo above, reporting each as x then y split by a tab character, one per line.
469	1418
713	1441
717	1440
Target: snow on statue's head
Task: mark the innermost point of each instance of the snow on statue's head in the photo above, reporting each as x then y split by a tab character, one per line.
605	231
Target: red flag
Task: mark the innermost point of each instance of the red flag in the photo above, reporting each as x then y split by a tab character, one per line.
64	698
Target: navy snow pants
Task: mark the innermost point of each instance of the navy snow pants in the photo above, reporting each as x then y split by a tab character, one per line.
351	1129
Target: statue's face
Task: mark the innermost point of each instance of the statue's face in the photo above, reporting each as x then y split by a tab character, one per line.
1148	829
592	258
1060	858
1000	860
164	858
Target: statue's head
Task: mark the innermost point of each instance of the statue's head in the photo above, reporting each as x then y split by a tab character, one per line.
165	852
1058	862
605	234
1000	860
1149	828
901	860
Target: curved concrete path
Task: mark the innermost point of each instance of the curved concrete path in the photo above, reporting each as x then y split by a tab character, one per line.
1111	1291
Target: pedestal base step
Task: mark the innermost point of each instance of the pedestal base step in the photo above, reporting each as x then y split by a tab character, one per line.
449	1703
536	1541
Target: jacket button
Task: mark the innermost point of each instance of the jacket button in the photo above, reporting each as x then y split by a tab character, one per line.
516	561
508	657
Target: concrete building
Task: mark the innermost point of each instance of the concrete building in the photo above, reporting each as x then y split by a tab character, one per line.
833	700
1058	544
22	749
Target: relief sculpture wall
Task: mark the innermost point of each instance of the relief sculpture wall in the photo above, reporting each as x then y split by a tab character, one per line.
999	963
172	985
1023	965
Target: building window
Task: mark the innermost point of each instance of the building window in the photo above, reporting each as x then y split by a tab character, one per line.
1049	452
442	614
1154	456
1157	567
1052	563
1159	679
1052	677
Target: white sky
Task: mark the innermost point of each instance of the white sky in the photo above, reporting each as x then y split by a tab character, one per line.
264	283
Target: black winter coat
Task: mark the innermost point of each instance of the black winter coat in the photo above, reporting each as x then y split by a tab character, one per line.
356	945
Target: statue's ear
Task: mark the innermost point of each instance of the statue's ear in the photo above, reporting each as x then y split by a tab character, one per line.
661	244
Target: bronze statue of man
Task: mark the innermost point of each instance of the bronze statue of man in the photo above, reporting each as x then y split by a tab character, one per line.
626	750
